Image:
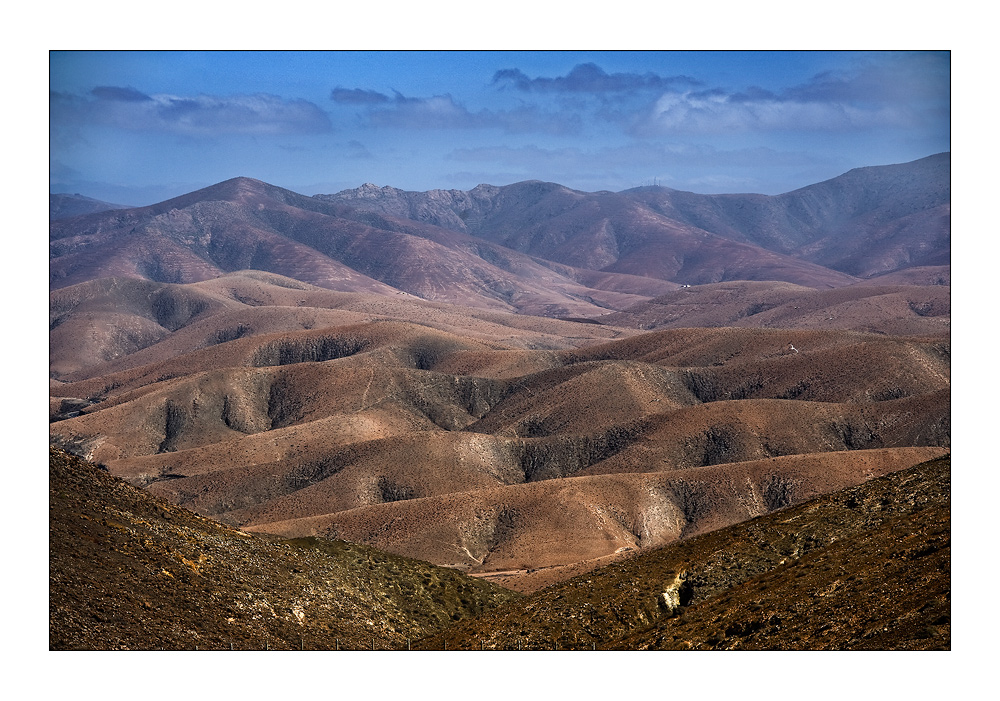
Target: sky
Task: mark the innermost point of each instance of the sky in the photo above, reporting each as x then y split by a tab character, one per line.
139	127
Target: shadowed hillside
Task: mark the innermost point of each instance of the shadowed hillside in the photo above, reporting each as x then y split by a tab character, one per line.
131	572
863	568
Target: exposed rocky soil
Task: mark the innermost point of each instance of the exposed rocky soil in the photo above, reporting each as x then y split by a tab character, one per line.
866	568
128	571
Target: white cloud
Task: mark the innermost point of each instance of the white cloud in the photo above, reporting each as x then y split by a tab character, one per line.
444	112
893	90
201	115
715	113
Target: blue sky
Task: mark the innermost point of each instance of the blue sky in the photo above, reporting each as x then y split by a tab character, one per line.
139	127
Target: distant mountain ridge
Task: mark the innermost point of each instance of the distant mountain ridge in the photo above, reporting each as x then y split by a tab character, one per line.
246	224
531	247
63	206
868	221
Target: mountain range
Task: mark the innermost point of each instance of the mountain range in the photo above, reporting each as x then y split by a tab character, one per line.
524	383
867	222
532	247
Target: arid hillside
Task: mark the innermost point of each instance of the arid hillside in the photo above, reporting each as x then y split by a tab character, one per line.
523	382
867	222
898	309
449	433
600	231
247	224
865	568
532	247
131	572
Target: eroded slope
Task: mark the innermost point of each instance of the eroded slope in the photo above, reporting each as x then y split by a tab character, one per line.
129	571
864	568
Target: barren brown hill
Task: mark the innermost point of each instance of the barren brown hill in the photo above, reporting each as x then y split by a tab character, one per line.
865	568
602	231
368	417
342	462
267	382
107	326
726	364
559	522
867	222
128	571
917	275
246	224
887	309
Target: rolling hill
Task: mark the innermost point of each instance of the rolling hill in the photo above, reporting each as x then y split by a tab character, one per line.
865	568
525	384
473	423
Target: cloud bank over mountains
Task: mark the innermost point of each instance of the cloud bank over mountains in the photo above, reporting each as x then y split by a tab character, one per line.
708	121
197	115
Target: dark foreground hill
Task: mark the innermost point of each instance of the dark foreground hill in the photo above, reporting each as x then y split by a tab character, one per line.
131	572
866	568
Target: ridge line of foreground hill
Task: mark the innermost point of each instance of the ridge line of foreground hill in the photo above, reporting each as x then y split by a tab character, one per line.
864	568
